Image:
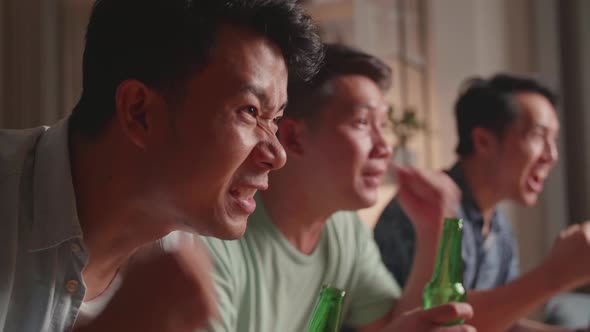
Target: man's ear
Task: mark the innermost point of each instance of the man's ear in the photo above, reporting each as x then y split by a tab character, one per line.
291	134
485	142
133	100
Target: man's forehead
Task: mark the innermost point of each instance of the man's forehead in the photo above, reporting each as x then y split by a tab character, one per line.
534	107
246	60
356	89
378	106
525	123
232	40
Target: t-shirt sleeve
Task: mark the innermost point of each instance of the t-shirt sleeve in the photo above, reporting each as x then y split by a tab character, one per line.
225	284
373	291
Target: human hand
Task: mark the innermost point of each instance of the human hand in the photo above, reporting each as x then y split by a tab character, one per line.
427	197
432	320
171	292
569	259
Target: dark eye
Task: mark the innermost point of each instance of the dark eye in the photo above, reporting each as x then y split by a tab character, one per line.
360	122
251	110
537	133
277	120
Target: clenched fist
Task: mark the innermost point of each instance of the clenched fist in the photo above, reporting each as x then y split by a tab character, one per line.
170	292
569	259
427	197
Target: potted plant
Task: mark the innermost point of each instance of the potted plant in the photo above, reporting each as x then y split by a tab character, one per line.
405	126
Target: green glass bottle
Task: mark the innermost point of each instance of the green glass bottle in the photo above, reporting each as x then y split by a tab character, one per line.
327	314
446	284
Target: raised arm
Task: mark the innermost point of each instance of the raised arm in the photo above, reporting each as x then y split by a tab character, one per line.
427	198
567	267
166	293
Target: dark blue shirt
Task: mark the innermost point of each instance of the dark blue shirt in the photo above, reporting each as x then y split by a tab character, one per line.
487	262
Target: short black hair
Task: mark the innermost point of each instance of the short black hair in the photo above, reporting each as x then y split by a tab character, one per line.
306	98
489	103
163	42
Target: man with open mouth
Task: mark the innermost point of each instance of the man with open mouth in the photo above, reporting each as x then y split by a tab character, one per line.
507	128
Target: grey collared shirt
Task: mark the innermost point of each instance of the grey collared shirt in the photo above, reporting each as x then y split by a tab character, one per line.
42	253
487	262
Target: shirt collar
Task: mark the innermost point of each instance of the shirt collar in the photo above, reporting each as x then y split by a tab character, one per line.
55	219
469	207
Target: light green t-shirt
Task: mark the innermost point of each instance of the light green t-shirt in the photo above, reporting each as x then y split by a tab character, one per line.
266	285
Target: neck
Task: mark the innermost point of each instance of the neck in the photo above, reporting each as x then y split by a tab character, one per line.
111	209
477	177
295	210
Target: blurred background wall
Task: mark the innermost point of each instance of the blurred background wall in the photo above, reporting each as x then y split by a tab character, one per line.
41	43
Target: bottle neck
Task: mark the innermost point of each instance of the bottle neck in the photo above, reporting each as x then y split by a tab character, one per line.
327	314
449	263
332	294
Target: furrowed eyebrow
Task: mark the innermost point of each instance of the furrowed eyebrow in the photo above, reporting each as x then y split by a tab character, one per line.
257	91
261	95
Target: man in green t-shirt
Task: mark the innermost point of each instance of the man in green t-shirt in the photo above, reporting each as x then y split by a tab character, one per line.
296	240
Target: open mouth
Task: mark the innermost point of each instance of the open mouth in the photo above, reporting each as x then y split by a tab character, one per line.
244	198
535	183
373	178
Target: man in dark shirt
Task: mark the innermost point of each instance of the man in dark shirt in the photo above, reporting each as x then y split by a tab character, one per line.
489	261
507	129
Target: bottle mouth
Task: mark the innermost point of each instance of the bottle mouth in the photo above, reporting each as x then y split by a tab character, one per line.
332	291
454	222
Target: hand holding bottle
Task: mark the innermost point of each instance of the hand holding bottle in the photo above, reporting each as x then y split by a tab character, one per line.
433	320
446	284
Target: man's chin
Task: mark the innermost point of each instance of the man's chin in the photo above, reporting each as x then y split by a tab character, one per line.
232	229
370	197
528	199
363	202
224	229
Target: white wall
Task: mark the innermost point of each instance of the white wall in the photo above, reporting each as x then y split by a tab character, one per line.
482	37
